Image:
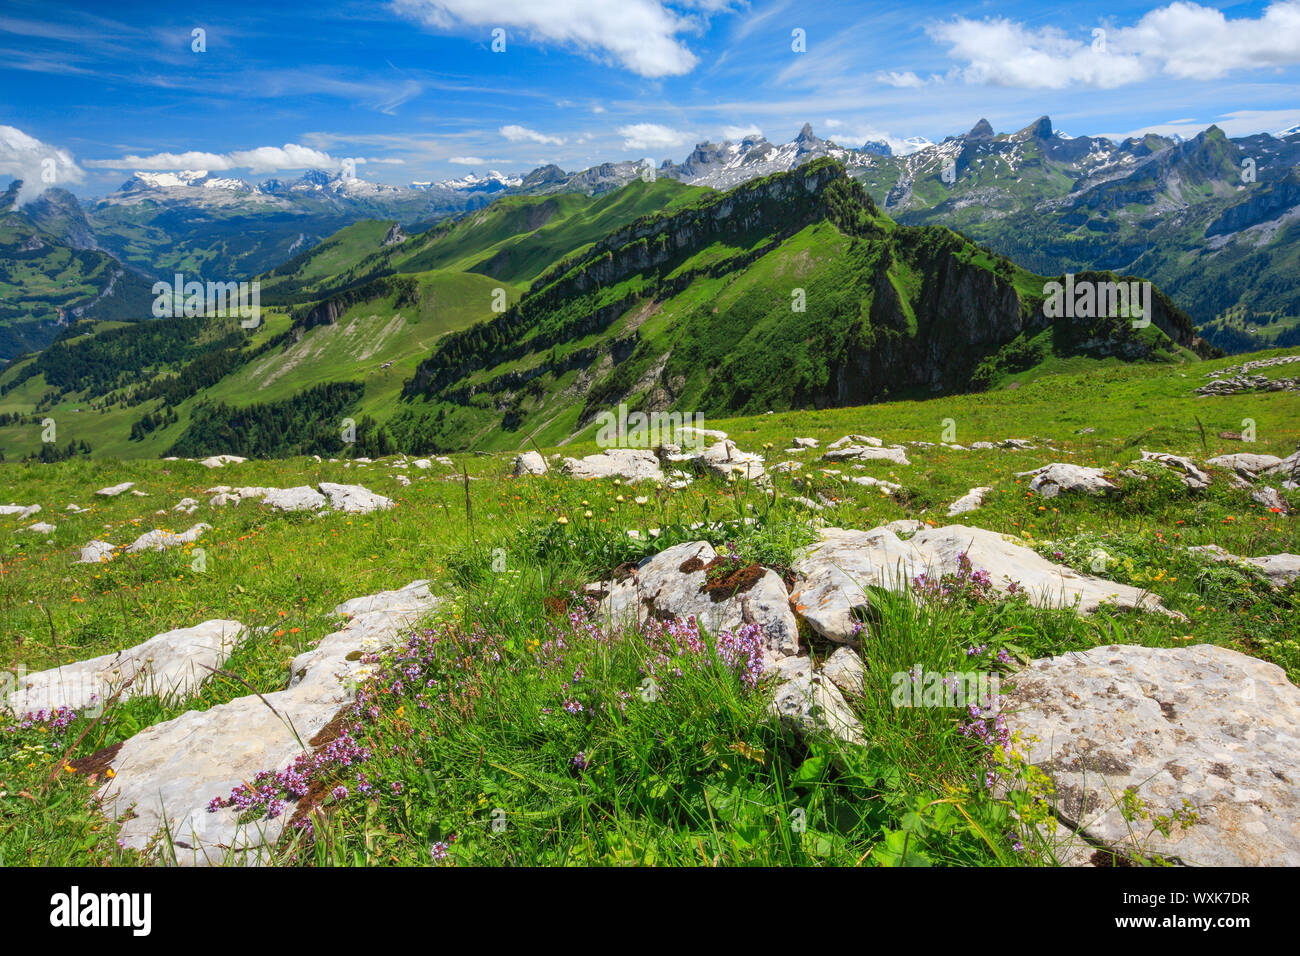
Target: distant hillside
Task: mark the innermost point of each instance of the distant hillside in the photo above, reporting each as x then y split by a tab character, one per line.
1214	221
789	291
52	274
524	320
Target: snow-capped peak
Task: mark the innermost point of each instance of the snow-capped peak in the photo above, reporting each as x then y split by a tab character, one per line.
494	181
183	179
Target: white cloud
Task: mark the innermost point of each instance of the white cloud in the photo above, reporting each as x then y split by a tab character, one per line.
652	136
1184	40
1002	52
905	80
640	35
37	164
262	159
1236	123
736	133
467	160
855	135
522	134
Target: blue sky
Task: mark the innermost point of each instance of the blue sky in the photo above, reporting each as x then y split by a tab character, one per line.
412	90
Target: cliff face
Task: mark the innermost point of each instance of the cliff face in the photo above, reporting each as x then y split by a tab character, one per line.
1265	205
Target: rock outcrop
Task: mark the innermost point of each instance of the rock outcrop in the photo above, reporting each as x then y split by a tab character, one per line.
169	773
628	464
1203	724
836	570
1051	480
168	666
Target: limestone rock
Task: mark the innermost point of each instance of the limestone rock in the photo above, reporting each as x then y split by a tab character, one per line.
1270	498
529	463
1287	466
699	433
837	569
40	527
805	443
895	454
167	666
354	499
723	458
1051	480
1280	569
810	703
112	491
844	669
96	551
630	464
1201	723
888	487
301	498
22	511
1244	463
179	766
663	589
219	461
160	539
969	501
1193	477
855	440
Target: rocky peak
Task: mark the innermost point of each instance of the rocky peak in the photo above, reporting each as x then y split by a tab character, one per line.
981	130
1040	128
543	175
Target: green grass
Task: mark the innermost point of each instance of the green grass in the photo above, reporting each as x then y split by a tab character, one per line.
699	775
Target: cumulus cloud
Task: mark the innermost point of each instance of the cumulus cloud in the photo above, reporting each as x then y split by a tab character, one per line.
1184	40
522	134
37	164
735	133
904	80
652	136
640	35
262	159
467	160
856	134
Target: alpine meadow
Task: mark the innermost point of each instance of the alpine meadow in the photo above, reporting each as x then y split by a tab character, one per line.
709	433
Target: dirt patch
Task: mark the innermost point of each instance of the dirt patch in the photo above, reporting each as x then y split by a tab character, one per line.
1107	858
724	578
319	788
691	565
98	762
623	571
556	606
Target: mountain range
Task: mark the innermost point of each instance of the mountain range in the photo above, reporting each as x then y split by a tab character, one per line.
1211	219
520	321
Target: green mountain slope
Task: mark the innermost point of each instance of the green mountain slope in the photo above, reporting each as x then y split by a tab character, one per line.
790	291
522	321
1213	220
47	279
